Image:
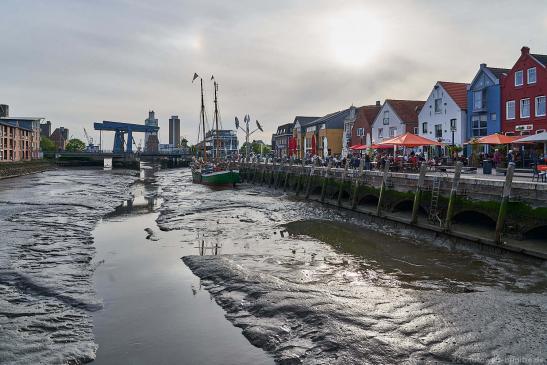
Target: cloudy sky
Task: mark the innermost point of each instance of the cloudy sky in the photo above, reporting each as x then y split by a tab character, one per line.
79	61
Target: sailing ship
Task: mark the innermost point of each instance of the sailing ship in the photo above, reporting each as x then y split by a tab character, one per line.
215	172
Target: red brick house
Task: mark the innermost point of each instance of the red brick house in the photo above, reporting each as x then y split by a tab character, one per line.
523	92
363	124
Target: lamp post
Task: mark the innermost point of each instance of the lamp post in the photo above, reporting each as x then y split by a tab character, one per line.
247	120
453	129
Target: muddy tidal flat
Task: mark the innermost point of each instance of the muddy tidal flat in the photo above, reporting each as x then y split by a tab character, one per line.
116	267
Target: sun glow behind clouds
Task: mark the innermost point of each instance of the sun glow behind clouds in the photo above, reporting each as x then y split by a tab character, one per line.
355	36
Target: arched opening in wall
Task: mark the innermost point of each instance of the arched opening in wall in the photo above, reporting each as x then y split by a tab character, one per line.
473	222
316	191
369	200
403	206
537	234
345	195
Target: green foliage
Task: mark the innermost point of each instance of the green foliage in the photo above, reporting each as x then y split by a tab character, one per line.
75	145
256	148
47	145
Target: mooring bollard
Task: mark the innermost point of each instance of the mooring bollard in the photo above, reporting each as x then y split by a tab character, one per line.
325	178
382	189
418	194
453	193
341	184
504	201
357	184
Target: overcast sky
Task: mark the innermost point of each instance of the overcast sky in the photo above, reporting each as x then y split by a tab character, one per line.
75	62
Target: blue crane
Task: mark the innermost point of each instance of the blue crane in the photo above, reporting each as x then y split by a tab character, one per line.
120	130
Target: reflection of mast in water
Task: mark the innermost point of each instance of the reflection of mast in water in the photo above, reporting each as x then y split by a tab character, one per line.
203	248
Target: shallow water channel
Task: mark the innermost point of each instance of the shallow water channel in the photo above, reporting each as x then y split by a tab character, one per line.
114	268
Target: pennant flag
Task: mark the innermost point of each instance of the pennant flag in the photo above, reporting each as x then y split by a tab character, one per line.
237	123
195	77
212	77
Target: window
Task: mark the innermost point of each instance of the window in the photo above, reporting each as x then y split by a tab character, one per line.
424	127
478	100
360	132
438	105
392	131
438	130
525	108
380	133
479	125
415	130
531	79
540	106
510	109
386	117
519	78
493	116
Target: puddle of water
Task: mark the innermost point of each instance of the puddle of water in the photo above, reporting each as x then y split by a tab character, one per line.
155	311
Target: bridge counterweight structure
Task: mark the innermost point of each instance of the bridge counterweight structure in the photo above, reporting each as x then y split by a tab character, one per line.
120	130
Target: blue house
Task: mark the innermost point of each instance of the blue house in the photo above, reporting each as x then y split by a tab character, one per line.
484	102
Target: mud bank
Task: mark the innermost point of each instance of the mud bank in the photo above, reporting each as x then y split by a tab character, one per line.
10	170
46	287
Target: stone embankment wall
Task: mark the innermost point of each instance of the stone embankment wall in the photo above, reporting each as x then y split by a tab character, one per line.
14	169
395	196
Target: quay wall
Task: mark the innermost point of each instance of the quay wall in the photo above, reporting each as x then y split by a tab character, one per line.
478	199
14	169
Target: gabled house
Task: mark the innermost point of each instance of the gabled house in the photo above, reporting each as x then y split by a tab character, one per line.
484	102
299	132
444	115
280	140
361	128
523	92
396	117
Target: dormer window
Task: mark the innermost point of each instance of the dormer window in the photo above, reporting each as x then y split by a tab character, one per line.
531	79
386	117
438	105
519	78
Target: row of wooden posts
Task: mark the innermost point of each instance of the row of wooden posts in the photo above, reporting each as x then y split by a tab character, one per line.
277	180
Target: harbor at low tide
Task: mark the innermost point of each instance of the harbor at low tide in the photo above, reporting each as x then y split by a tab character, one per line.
178	272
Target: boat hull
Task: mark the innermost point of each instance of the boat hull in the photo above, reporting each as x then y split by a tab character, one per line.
219	178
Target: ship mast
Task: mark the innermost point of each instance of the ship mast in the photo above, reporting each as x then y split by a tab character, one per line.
202	116
217	136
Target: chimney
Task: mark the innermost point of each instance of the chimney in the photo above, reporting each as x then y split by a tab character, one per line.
525	50
378	103
483	65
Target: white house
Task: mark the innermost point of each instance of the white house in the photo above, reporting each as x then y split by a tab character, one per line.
444	115
396	117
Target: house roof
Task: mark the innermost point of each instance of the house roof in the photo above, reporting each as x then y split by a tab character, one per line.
13	124
407	110
366	115
333	120
457	91
541	58
498	71
304	121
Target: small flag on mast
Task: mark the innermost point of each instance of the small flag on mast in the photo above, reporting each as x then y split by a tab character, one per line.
195	77
212	77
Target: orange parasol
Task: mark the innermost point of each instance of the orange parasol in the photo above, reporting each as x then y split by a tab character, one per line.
497	138
410	140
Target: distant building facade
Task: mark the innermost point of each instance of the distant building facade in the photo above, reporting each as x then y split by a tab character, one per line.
228	144
523	93
174	131
60	137
396	117
45	129
484	102
361	133
19	137
151	141
443	117
281	139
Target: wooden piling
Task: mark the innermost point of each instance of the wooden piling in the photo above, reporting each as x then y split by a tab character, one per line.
504	201
357	184
453	193
341	183
310	178
382	189
300	177
418	194
325	178
287	175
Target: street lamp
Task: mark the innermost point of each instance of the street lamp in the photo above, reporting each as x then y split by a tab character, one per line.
247	120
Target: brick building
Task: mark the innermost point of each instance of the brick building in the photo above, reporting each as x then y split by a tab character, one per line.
523	92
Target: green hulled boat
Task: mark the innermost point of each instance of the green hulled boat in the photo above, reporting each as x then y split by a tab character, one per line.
217	178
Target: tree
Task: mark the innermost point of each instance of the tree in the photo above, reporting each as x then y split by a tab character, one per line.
256	147
75	145
184	142
47	145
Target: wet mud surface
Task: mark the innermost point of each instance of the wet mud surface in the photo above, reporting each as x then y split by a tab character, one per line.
46	287
307	283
